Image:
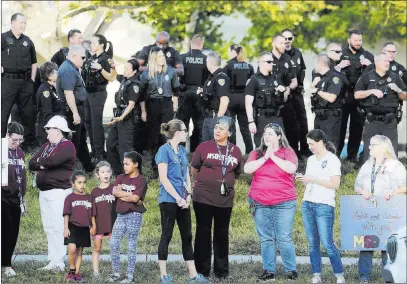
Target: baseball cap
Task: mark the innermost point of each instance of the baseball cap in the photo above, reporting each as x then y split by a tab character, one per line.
59	122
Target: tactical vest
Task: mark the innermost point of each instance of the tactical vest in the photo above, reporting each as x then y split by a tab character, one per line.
390	98
355	70
267	97
239	76
195	71
65	51
318	102
119	98
94	80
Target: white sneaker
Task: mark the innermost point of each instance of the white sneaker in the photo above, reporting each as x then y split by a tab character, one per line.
9	271
316	279
55	267
340	279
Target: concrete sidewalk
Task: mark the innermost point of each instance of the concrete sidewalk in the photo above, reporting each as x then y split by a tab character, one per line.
178	257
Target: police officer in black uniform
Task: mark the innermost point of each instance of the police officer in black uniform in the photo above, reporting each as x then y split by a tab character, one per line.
127	114
97	72
48	101
285	69
239	71
161	90
265	96
195	75
326	99
74	38
354	60
18	71
298	93
214	95
172	56
380	92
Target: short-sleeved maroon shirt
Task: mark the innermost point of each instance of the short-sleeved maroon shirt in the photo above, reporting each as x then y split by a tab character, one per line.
104	209
79	209
137	186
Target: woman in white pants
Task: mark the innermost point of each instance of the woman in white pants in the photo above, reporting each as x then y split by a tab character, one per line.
54	163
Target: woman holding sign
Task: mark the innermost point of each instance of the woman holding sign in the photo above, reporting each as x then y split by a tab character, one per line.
322	178
383	175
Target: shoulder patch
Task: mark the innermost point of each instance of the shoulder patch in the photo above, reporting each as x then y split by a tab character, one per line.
247	82
46	94
221	82
286	65
136	88
336	80
400	73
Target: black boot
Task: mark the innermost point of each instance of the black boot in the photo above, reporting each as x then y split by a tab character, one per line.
266	276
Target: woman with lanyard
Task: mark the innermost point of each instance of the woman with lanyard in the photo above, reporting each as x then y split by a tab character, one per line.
53	164
381	176
13	204
161	89
215	166
175	198
97	72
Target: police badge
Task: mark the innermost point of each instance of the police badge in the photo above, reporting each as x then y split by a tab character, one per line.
400	73
221	82
389	79
46	94
336	80
168	54
136	88
394	68
167	77
286	65
275	83
25	43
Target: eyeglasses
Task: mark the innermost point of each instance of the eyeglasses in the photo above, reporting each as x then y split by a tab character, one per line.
268	61
336	51
17	140
391	51
289	38
48	128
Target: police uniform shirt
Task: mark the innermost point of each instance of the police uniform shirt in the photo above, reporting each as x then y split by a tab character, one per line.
172	56
134	90
217	84
195	70
372	80
355	70
332	64
239	73
331	83
102	60
298	61
254	85
17	54
168	83
69	79
284	68
48	101
395	67
60	56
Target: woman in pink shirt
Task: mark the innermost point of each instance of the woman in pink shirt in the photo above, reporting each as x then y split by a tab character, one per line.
272	199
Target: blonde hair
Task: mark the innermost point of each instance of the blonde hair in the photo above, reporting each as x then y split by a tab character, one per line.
168	129
388	149
153	63
241	54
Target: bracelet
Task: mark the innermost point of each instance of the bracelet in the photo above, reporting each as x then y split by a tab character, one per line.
251	121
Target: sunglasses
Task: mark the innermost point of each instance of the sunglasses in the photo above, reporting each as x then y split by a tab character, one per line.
156	49
268	61
336	51
16	140
289	38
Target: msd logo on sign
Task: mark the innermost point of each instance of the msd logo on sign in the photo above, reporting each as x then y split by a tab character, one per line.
369	241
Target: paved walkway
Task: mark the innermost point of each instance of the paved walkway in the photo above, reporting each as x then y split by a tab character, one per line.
178	257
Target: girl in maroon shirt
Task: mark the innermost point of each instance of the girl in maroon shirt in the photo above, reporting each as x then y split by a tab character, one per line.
77	224
103	211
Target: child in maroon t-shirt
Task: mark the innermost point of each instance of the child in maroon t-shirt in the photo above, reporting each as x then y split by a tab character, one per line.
77	221
103	211
130	189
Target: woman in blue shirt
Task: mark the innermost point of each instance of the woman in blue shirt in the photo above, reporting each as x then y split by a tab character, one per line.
175	198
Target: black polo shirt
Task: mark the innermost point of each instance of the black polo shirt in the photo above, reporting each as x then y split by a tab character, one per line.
172	56
297	60
284	68
69	79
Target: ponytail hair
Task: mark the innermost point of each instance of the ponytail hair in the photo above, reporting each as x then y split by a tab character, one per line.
134	64
107	45
168	129
318	135
241	54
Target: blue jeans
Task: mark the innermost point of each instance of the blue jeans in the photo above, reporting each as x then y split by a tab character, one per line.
318	224
275	224
366	262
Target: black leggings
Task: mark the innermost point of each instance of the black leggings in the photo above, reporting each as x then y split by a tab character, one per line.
169	213
10	226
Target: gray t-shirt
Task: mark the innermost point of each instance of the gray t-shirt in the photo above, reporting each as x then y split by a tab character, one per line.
69	79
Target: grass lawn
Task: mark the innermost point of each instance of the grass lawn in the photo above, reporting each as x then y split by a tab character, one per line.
243	237
148	272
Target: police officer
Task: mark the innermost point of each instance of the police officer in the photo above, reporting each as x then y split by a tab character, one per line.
380	92
71	89
265	96
239	71
285	70
127	113
48	101
97	72
195	75
298	93
161	89
18	71
74	38
354	60
326	99
214	95
172	56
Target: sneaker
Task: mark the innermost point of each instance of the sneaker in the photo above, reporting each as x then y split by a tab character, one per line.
266	276
340	279
53	267
127	280
316	279
70	277
78	278
114	277
166	279
9	272
292	275
198	279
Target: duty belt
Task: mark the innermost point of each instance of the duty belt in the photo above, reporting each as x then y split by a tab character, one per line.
324	113
209	113
268	112
386	118
16	75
